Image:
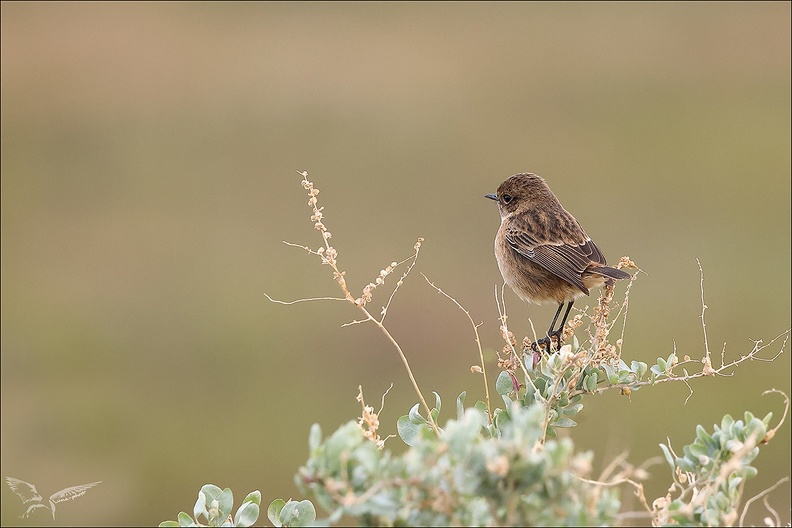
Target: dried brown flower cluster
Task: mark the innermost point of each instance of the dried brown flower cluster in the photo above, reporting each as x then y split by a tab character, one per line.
369	420
329	256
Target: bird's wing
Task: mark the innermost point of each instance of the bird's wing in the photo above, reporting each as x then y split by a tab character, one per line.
71	493
567	260
25	490
31	509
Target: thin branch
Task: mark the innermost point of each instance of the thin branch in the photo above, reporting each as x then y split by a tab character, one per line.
329	255
639	489
382	401
533	330
707	357
776	517
690	394
771	433
305	300
751	356
356	321
414	258
616	462
306	248
409	370
478	342
755	497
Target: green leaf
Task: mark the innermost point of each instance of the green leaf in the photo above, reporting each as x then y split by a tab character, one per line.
504	385
661	363
667	453
408	430
591	382
564	422
212	492
415	416
460	405
686	464
610	372
185	520
247	514
572	410
225	504
438	403
200	507
670	360
698	450
501	418
297	514
734	482
726	422
639	367
168	524
273	512
705	438
254	497
755	428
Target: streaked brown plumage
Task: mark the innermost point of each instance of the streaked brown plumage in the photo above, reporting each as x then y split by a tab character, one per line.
542	251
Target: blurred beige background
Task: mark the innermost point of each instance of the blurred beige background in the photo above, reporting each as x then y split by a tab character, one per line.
149	153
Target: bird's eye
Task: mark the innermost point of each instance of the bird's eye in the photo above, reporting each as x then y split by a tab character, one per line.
506	198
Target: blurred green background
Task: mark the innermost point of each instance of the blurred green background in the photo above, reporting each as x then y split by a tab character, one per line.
149	153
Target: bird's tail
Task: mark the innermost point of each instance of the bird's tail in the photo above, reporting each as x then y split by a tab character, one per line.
610	273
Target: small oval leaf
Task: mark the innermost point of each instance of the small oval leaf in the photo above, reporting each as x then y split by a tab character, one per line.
273	512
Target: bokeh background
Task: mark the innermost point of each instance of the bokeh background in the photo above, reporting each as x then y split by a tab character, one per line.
149	157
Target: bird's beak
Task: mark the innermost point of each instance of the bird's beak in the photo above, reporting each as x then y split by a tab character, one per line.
491	196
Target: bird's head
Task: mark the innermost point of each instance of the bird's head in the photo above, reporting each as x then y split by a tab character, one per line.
520	192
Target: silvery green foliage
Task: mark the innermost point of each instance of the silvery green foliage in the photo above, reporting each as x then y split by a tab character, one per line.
710	476
468	477
559	381
214	507
291	513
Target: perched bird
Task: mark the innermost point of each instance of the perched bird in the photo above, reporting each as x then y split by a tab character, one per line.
28	493
542	252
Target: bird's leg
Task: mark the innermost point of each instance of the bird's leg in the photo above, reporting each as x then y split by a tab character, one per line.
557	334
547	341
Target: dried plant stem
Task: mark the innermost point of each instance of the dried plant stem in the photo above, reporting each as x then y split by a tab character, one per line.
752	355
707	357
708	369
478	342
396	345
508	338
760	495
329	255
409	373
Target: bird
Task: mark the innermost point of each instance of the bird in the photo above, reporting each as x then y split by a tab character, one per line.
28	493
543	253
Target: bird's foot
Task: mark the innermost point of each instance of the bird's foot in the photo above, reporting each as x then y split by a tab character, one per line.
539	348
557	335
546	345
553	340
